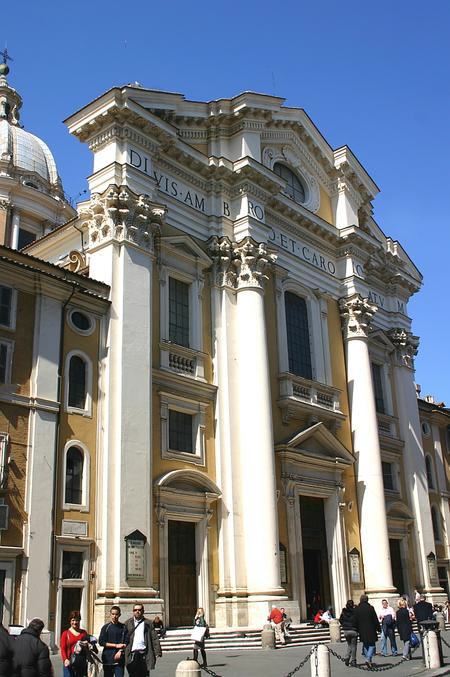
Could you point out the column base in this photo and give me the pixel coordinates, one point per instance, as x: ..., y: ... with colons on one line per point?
x: 126, y: 599
x: 435, y: 595
x: 375, y: 596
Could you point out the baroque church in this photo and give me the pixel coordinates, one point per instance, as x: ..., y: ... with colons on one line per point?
x: 207, y: 391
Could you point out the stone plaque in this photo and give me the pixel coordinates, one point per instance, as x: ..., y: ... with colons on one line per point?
x: 73, y: 528
x: 135, y: 558
x: 355, y: 571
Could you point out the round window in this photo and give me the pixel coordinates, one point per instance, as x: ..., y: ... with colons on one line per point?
x: 294, y: 187
x: 81, y: 322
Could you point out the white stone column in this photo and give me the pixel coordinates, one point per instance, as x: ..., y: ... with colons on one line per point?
x: 356, y: 314
x: 442, y: 484
x: 413, y: 455
x: 242, y: 267
x: 121, y: 253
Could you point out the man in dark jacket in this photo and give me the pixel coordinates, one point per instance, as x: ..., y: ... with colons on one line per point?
x: 143, y: 644
x: 423, y: 611
x: 368, y: 625
x: 6, y: 653
x: 31, y: 655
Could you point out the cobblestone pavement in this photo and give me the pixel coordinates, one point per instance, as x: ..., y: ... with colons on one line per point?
x: 279, y: 663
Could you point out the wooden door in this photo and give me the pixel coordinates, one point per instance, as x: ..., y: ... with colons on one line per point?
x: 182, y: 573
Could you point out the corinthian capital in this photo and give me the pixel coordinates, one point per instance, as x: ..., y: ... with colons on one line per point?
x: 121, y: 215
x: 406, y: 345
x: 241, y: 264
x: 356, y: 316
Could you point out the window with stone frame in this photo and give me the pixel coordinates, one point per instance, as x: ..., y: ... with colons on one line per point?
x: 388, y: 476
x: 179, y: 312
x: 180, y: 431
x: 436, y: 522
x: 377, y: 377
x: 77, y: 382
x: 6, y: 306
x: 429, y: 471
x: 298, y: 338
x: 6, y: 351
x: 74, y: 476
x: 294, y: 188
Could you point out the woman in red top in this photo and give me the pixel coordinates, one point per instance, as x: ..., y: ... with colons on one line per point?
x: 68, y: 645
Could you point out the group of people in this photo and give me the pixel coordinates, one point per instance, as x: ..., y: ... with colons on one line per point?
x: 133, y: 645
x: 363, y: 621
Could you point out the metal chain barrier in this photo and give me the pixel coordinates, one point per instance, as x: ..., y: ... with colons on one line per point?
x: 305, y: 660
x: 209, y: 671
x: 374, y: 668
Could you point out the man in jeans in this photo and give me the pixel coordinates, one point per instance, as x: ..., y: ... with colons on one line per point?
x: 276, y: 618
x: 387, y: 620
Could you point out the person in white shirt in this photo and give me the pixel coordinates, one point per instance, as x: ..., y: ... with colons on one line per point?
x: 327, y: 616
x: 143, y: 644
x: 387, y: 619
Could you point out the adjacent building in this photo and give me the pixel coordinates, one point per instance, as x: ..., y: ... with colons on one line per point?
x: 248, y: 431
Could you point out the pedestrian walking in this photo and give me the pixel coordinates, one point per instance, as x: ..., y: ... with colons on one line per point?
x: 404, y: 627
x: 143, y: 646
x: 347, y: 620
x: 31, y: 654
x: 200, y: 632
x: 387, y: 620
x: 114, y: 639
x: 368, y: 626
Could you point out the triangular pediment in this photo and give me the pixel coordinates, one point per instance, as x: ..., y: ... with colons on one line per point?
x: 185, y: 246
x: 319, y: 443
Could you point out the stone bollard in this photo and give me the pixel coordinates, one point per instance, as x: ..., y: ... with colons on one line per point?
x: 440, y: 617
x: 268, y: 637
x: 431, y: 650
x: 320, y: 662
x: 188, y: 668
x: 335, y: 630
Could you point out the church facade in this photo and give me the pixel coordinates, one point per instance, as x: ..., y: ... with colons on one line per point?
x: 257, y: 431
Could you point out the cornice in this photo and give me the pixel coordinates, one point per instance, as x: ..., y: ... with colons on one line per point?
x: 281, y: 206
x: 303, y: 230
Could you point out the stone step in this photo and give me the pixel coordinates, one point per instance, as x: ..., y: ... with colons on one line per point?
x: 179, y: 640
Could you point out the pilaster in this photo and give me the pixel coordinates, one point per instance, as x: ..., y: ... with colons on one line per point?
x: 123, y: 232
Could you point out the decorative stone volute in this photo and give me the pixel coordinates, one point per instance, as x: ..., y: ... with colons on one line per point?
x: 406, y: 345
x: 241, y: 264
x: 119, y: 214
x: 356, y: 316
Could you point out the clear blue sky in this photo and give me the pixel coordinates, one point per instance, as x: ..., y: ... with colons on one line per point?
x: 372, y: 75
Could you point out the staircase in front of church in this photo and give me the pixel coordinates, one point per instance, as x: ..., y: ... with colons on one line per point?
x: 180, y: 639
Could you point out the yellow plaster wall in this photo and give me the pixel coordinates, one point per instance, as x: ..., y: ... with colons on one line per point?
x: 79, y: 427
x: 325, y: 211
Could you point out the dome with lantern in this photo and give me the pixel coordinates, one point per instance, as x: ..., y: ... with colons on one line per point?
x: 23, y: 155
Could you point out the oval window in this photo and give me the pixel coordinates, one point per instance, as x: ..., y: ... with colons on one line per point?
x: 81, y: 322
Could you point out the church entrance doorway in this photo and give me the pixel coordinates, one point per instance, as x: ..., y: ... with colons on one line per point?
x: 182, y: 573
x: 315, y: 555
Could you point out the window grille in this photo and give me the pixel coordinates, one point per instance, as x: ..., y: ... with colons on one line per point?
x: 299, y: 350
x: 77, y: 382
x: 74, y: 476
x: 178, y: 312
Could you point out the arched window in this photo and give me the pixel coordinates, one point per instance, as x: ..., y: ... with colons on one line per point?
x: 74, y: 476
x: 429, y: 469
x: 294, y: 187
x: 77, y: 383
x: 435, y: 519
x: 299, y: 351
